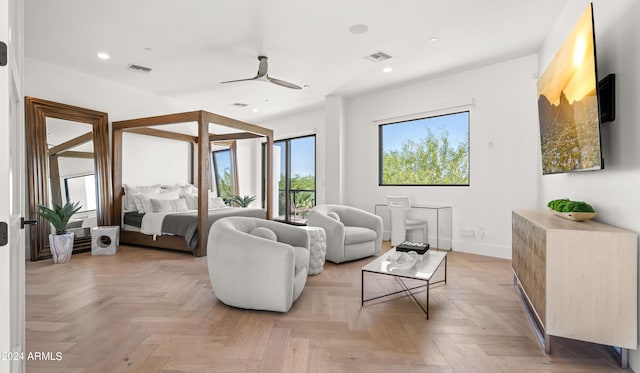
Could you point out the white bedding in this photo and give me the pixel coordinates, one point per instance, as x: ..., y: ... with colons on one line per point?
x: 152, y: 223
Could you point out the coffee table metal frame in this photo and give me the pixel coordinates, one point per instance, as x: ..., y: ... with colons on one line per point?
x: 437, y: 256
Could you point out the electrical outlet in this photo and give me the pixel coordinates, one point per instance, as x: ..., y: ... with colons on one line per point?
x: 468, y: 232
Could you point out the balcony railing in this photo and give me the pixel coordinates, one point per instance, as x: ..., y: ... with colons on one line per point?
x: 299, y: 202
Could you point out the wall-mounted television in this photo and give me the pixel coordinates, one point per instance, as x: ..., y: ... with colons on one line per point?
x: 568, y: 104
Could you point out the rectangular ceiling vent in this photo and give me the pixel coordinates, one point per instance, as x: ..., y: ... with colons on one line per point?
x: 239, y: 104
x: 378, y: 57
x: 138, y: 68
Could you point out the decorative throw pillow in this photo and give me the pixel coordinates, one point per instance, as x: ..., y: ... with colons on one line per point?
x: 216, y: 203
x: 128, y: 201
x: 264, y: 233
x: 168, y: 205
x: 333, y: 215
x: 145, y: 198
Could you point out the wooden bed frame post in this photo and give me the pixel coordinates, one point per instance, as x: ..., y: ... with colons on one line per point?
x: 204, y: 152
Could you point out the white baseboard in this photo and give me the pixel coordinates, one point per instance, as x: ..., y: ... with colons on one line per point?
x: 472, y: 247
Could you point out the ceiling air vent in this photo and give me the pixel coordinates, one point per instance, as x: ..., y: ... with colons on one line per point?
x: 239, y: 104
x: 138, y: 68
x: 378, y: 57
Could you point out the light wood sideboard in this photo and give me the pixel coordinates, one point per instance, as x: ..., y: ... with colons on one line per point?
x: 578, y: 279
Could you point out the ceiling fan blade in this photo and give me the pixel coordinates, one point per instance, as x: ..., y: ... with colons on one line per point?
x: 240, y: 80
x: 283, y: 83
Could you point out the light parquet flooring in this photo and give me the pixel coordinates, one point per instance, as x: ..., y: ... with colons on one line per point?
x: 146, y: 310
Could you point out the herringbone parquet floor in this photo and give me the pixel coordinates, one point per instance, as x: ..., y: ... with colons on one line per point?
x: 146, y: 310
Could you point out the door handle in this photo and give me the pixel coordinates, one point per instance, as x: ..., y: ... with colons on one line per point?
x: 27, y: 222
x: 4, y: 233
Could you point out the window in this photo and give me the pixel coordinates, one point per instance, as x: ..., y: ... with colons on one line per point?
x: 425, y: 151
x: 297, y: 184
x: 81, y: 189
x: 222, y: 173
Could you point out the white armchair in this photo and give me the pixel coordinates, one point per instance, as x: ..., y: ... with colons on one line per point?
x: 351, y: 233
x: 257, y: 264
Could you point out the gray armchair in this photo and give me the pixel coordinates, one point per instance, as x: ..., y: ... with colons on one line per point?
x: 257, y: 264
x: 351, y: 233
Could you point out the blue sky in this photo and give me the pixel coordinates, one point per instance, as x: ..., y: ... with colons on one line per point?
x: 302, y: 156
x: 457, y: 125
x: 224, y: 161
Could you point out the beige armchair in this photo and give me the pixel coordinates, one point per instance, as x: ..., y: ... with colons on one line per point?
x: 351, y: 233
x: 257, y: 264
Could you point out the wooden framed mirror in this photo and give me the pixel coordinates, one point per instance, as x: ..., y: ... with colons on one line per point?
x: 67, y: 152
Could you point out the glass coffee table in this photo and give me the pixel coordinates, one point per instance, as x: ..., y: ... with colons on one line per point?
x: 423, y: 270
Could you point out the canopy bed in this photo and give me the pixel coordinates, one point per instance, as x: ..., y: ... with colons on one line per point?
x: 190, y: 229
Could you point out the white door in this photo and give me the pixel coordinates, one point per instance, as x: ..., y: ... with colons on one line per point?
x: 12, y: 190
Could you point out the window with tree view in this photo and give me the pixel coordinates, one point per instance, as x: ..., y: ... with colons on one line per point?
x: 222, y: 173
x: 425, y: 151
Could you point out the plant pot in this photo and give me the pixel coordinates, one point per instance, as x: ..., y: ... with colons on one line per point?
x: 61, y: 246
x: 576, y: 216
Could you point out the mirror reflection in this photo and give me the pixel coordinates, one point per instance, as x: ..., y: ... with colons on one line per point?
x: 71, y: 170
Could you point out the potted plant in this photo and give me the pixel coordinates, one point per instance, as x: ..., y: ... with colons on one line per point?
x: 61, y: 243
x: 243, y: 201
x: 573, y: 210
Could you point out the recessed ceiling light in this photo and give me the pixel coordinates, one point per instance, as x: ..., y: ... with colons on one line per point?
x: 387, y: 69
x: 255, y: 110
x: 358, y: 29
x: 306, y: 86
x: 148, y: 49
x: 433, y: 39
x: 103, y: 56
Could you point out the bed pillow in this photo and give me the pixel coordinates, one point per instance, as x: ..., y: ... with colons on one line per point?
x: 191, y: 199
x: 168, y: 205
x: 181, y: 188
x: 129, y: 202
x: 186, y: 188
x: 145, y: 199
x: 216, y: 202
x: 264, y: 233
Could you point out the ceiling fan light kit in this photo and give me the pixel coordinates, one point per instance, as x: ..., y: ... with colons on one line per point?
x: 262, y: 75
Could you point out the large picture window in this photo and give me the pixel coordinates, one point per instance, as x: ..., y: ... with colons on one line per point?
x: 426, y: 151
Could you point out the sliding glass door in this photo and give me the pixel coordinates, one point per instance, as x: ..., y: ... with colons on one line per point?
x: 297, y: 183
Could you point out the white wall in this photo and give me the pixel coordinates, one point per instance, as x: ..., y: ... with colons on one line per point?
x: 249, y: 161
x: 503, y: 148
x: 150, y: 160
x: 301, y: 124
x: 612, y: 191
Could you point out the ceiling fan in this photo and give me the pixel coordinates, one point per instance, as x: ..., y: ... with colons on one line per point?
x: 263, y: 76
